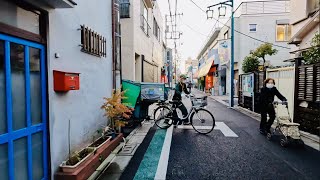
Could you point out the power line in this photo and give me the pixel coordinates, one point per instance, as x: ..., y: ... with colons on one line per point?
x: 239, y: 31
x: 194, y: 30
x: 198, y: 6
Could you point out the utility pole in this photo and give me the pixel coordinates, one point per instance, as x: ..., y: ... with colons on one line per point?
x: 231, y: 4
x: 174, y: 35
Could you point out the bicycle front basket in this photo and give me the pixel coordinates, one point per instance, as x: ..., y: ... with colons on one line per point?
x: 199, y: 101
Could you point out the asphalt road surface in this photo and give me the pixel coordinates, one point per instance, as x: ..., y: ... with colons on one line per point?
x: 184, y: 154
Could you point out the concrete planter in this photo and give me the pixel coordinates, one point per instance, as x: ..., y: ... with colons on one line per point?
x: 86, y: 168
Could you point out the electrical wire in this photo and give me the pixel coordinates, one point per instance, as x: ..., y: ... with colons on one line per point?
x: 239, y: 31
x: 195, y: 30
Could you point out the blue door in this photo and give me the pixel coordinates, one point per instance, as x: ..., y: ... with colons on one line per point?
x: 23, y: 117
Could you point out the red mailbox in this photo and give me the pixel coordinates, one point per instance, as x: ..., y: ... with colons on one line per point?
x: 65, y: 81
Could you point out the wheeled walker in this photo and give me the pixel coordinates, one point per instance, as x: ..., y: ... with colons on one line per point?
x: 286, y: 130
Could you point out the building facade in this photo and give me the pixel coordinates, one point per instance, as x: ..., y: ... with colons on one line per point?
x: 191, y: 67
x: 305, y: 24
x: 38, y: 39
x: 255, y: 20
x: 141, y: 40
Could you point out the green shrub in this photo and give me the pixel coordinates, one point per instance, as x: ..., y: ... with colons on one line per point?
x: 312, y: 55
x: 250, y: 64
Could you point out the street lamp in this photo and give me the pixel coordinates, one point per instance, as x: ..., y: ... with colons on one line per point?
x: 222, y: 10
x: 228, y: 3
x: 209, y: 13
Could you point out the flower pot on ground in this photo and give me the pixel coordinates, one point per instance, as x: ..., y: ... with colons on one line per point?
x: 74, y: 161
x: 116, y: 111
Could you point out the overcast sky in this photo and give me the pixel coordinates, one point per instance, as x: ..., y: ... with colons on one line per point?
x: 194, y: 24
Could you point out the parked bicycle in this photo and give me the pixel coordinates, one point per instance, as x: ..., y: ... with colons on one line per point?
x: 201, y: 119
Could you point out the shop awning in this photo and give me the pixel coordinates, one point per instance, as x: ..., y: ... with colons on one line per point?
x: 205, y: 69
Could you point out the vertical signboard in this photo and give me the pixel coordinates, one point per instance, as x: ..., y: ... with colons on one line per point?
x: 224, y: 51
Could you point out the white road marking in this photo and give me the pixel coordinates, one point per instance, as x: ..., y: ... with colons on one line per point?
x: 164, y: 157
x: 190, y: 127
x: 226, y: 131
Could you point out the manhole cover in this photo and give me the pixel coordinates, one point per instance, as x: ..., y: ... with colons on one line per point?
x: 128, y: 149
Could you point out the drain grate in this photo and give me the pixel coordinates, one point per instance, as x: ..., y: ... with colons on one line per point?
x: 128, y: 149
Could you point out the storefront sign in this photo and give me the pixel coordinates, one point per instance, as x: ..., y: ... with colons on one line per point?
x: 247, y: 85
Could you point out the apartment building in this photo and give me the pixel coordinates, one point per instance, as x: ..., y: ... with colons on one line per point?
x: 142, y: 47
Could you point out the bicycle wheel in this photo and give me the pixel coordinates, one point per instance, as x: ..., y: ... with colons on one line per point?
x: 202, y: 121
x: 162, y: 117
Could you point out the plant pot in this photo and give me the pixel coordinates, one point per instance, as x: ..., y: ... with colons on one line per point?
x: 99, y: 143
x: 86, y: 168
x: 65, y: 167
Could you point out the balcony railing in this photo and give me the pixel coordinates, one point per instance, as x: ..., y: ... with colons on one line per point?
x: 145, y: 26
x: 263, y: 7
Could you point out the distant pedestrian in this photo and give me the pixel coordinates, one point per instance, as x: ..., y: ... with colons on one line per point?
x: 266, y: 103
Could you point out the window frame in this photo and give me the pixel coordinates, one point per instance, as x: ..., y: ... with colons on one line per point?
x: 156, y: 29
x: 255, y: 28
x: 286, y: 36
x: 144, y: 24
x: 22, y: 33
x: 126, y: 4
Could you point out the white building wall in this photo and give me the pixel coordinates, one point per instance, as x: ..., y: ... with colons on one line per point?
x: 81, y: 107
x: 127, y: 52
x: 266, y: 31
x: 136, y: 41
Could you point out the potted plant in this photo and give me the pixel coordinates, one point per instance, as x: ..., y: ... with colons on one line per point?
x: 116, y: 112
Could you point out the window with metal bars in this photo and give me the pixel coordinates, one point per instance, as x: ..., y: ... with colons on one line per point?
x: 92, y: 42
x: 124, y: 9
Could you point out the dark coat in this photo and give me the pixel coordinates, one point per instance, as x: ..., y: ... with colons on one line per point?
x: 267, y: 96
x: 178, y: 90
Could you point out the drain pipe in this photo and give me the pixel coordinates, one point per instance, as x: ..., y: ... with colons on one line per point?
x: 116, y: 42
x: 113, y: 6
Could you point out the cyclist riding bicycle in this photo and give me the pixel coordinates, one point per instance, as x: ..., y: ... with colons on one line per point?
x: 181, y: 87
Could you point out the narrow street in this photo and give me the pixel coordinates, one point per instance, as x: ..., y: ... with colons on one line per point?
x: 248, y: 155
